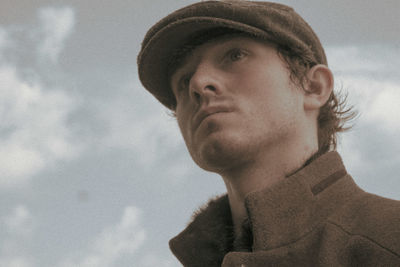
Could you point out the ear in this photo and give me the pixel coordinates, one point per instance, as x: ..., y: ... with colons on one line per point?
x: 318, y: 87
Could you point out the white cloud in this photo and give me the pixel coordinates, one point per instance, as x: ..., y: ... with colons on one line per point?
x: 372, y: 60
x: 369, y: 74
x: 377, y: 100
x: 19, y: 222
x: 15, y: 262
x: 33, y: 127
x: 353, y: 59
x: 56, y: 25
x: 151, y: 260
x: 385, y: 107
x: 124, y: 238
x: 18, y: 228
x: 4, y: 40
x: 135, y: 121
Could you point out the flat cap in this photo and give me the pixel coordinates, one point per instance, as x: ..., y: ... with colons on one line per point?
x: 266, y: 20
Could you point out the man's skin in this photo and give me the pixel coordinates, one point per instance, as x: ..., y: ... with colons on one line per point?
x: 243, y: 117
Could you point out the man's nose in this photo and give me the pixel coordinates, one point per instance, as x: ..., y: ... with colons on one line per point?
x: 204, y: 83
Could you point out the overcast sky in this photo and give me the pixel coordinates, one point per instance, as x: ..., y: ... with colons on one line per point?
x: 93, y: 171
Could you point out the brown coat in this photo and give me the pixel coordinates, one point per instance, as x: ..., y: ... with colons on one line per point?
x: 316, y: 217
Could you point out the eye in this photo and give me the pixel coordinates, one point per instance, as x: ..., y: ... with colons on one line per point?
x: 182, y: 84
x: 236, y: 54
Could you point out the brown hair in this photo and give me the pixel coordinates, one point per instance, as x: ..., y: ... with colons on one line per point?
x: 333, y: 115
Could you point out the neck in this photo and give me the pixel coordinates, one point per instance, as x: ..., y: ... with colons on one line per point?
x: 262, y: 172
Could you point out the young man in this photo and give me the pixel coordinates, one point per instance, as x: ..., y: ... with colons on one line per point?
x: 253, y: 96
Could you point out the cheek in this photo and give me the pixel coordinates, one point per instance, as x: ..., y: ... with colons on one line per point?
x: 269, y: 97
x: 183, y: 120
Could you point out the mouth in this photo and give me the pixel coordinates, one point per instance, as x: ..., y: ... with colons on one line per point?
x: 203, y: 113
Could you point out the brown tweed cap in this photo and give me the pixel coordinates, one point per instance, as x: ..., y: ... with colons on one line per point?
x: 270, y: 21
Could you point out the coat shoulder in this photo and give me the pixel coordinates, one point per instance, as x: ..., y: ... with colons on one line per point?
x: 373, y: 218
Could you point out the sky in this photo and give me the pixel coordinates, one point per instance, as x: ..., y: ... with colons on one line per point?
x: 93, y: 170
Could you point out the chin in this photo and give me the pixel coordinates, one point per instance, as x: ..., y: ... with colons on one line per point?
x: 219, y: 153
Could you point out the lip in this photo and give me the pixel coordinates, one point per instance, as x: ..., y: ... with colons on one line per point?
x: 204, y: 112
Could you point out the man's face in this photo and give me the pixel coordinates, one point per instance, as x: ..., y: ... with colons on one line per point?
x: 235, y: 101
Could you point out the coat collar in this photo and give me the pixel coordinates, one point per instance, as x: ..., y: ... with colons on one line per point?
x: 286, y: 211
x: 278, y: 215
